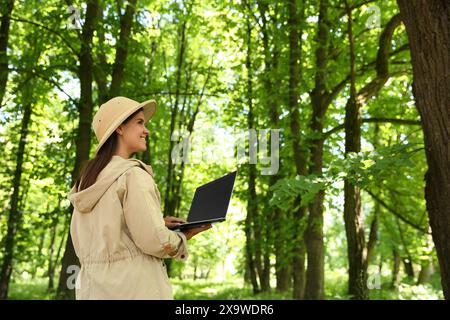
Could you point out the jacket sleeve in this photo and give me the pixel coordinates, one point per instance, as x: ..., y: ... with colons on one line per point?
x: 144, y: 219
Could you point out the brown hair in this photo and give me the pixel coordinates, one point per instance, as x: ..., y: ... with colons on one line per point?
x: 93, y: 167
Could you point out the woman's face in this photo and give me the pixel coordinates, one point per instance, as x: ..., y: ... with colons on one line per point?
x: 133, y: 133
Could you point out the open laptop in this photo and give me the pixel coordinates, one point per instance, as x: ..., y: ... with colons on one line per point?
x: 210, y: 203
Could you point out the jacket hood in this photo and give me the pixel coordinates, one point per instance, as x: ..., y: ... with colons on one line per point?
x: 85, y: 200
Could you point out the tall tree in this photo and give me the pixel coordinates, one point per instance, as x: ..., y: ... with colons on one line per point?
x: 354, y: 225
x: 271, y: 51
x: 6, y: 9
x: 320, y: 100
x: 295, y: 17
x: 121, y: 53
x: 353, y: 216
x: 183, y: 110
x: 427, y: 24
x: 87, y: 73
x: 15, y: 213
x: 252, y: 230
x: 126, y: 21
x: 169, y: 197
x: 262, y: 235
x: 83, y: 139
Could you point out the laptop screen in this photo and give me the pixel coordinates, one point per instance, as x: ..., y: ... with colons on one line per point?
x: 211, y: 200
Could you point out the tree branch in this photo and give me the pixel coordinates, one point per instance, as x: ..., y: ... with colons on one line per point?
x: 40, y: 73
x: 100, y: 65
x: 57, y: 86
x: 253, y: 14
x: 373, y: 120
x: 126, y: 21
x: 382, y: 61
x: 66, y: 42
x: 341, y: 85
x: 152, y: 93
x: 394, y: 212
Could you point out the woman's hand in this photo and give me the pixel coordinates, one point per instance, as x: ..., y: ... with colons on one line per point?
x: 173, y: 221
x: 189, y: 233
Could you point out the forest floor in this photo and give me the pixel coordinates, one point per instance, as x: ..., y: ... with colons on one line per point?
x: 233, y: 289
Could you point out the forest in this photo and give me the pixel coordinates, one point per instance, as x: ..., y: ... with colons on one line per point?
x: 335, y: 113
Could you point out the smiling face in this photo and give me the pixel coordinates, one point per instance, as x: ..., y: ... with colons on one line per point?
x: 131, y: 135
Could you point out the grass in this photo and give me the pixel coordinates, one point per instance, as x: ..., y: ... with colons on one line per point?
x: 31, y: 290
x: 234, y: 289
x: 228, y: 290
x: 407, y: 289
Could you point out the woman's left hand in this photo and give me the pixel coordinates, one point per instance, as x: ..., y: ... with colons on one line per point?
x: 173, y: 221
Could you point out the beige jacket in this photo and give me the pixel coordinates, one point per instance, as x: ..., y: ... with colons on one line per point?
x: 120, y: 237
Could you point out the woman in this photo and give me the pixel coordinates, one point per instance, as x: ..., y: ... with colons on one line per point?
x: 117, y: 228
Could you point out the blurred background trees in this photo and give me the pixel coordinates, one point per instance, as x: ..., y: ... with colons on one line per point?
x: 343, y: 215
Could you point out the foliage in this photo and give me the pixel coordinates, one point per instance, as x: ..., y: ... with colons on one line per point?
x: 234, y: 68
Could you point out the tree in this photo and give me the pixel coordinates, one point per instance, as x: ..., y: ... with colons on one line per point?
x: 353, y: 216
x: 252, y: 230
x: 83, y: 143
x: 95, y: 71
x: 299, y: 276
x: 6, y: 10
x: 15, y: 212
x: 427, y: 24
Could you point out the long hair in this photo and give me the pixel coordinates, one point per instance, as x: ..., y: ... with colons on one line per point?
x: 92, y: 168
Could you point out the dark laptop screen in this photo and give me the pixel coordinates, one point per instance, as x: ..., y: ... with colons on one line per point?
x: 211, y: 200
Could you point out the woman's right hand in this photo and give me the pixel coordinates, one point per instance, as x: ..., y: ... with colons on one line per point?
x: 189, y: 233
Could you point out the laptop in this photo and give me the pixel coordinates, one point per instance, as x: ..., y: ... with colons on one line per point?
x: 210, y: 203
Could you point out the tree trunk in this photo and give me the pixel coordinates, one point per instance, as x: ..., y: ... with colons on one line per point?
x: 282, y: 270
x: 169, y: 200
x: 250, y: 263
x: 278, y: 218
x: 6, y: 10
x: 15, y: 214
x: 373, y: 237
x: 299, y: 276
x: 51, y: 266
x: 83, y: 140
x: 121, y: 48
x: 189, y: 126
x: 266, y: 266
x: 283, y: 261
x: 126, y: 21
x: 252, y: 205
x: 354, y: 225
x: 426, y: 270
x: 407, y: 261
x: 427, y: 24
x: 426, y: 267
x: 314, y: 229
x: 258, y: 230
x: 263, y: 242
x: 298, y: 273
x: 373, y: 233
x: 395, y: 269
x: 147, y: 155
x: 408, y: 266
x: 353, y: 216
x: 184, y: 121
x: 39, y: 253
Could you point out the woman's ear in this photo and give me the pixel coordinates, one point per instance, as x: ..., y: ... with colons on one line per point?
x: 119, y: 130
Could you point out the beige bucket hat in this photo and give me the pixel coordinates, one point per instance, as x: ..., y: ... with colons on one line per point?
x: 112, y: 113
